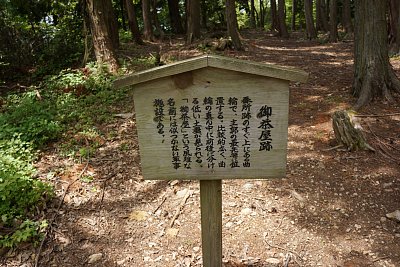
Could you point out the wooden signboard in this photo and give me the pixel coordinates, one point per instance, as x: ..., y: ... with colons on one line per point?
x: 212, y: 118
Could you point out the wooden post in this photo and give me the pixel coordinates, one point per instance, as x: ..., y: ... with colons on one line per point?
x: 211, y: 222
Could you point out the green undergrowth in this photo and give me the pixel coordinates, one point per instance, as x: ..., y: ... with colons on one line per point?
x: 72, y: 102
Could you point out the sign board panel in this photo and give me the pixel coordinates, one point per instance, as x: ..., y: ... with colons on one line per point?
x: 222, y: 125
x: 211, y: 119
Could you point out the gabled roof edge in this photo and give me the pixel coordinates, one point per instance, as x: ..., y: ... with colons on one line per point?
x: 266, y: 70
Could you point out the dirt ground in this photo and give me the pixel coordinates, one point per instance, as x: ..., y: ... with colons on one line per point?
x: 330, y: 210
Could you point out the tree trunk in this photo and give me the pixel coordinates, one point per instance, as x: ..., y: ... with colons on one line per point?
x: 308, y: 7
x: 193, y: 20
x: 231, y: 20
x: 294, y: 7
x: 252, y: 15
x: 283, y: 32
x: 346, y: 17
x: 373, y: 75
x: 154, y: 18
x: 274, y: 16
x: 112, y: 23
x: 333, y: 32
x: 102, y: 42
x: 122, y: 6
x: 348, y: 131
x: 133, y: 23
x: 203, y: 11
x: 175, y: 16
x: 394, y: 24
x: 262, y: 13
x: 322, y: 20
x: 148, y: 28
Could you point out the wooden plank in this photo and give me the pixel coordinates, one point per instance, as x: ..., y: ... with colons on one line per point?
x: 160, y: 72
x: 155, y: 149
x: 211, y: 222
x: 267, y: 70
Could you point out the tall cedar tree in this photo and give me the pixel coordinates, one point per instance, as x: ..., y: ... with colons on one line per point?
x: 252, y: 14
x: 333, y: 32
x: 283, y: 32
x: 274, y: 17
x: 321, y: 16
x: 346, y: 16
x: 373, y: 75
x: 193, y: 20
x: 102, y: 41
x: 133, y: 23
x: 231, y: 21
x: 308, y: 7
x: 112, y: 23
x: 175, y: 16
x: 394, y: 24
x: 293, y: 22
x: 147, y: 26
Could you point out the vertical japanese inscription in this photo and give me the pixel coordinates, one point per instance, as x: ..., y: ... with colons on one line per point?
x: 219, y: 131
x: 233, y: 131
x: 197, y: 130
x: 185, y: 130
x: 158, y: 105
x: 246, y: 116
x: 208, y: 102
x: 265, y: 138
x: 173, y: 130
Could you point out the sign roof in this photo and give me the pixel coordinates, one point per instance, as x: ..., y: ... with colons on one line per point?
x: 261, y: 69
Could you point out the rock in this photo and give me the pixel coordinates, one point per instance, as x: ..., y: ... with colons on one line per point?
x: 246, y: 211
x: 172, y: 232
x: 395, y: 215
x: 124, y: 115
x: 248, y: 187
x: 229, y: 224
x: 272, y: 262
x: 95, y: 258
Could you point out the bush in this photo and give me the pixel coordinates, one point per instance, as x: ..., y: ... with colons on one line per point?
x: 73, y: 100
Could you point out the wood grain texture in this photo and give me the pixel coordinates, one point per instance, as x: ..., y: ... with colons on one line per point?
x: 266, y: 70
x: 211, y: 222
x: 155, y: 150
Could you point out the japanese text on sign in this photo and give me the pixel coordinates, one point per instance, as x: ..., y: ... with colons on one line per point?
x: 212, y: 132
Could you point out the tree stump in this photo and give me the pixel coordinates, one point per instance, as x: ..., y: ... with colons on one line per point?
x: 348, y: 131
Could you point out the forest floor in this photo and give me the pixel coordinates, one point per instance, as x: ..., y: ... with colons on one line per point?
x: 330, y: 210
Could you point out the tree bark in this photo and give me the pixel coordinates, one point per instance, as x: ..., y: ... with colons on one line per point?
x: 112, y: 23
x: 175, y: 16
x: 311, y: 32
x: 262, y: 13
x: 294, y: 7
x: 394, y: 27
x: 348, y: 131
x: 102, y: 42
x: 333, y: 32
x: 252, y: 15
x: 148, y: 27
x: 373, y: 75
x: 274, y: 17
x: 283, y: 32
x: 154, y: 18
x: 346, y: 17
x: 231, y: 20
x: 193, y: 20
x: 321, y: 18
x: 133, y: 23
